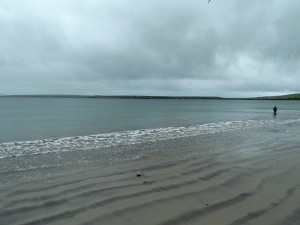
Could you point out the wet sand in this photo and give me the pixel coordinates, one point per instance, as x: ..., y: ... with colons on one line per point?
x: 255, y: 182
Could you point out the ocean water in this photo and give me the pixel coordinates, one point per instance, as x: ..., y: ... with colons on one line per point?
x: 61, y: 124
x: 67, y: 134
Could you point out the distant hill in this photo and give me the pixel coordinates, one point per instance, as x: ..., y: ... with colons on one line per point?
x: 281, y: 97
x: 114, y: 96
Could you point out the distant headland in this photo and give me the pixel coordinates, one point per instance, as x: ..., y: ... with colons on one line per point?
x: 280, y: 97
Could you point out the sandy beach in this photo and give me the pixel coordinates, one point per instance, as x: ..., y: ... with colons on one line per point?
x: 126, y: 112
x: 254, y: 180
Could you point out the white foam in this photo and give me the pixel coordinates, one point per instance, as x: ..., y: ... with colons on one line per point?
x: 132, y: 137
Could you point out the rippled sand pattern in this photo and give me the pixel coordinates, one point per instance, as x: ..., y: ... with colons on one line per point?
x: 256, y: 185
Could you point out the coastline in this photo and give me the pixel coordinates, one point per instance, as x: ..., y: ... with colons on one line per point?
x: 253, y: 180
x: 290, y: 97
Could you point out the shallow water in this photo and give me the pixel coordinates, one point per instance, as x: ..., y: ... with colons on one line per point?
x: 43, y: 133
x: 24, y: 119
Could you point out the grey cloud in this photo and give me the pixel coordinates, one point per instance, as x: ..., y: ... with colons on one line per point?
x: 150, y: 47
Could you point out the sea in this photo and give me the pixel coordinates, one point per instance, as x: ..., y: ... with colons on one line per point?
x: 64, y: 134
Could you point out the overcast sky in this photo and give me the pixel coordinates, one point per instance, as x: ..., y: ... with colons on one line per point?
x: 232, y: 48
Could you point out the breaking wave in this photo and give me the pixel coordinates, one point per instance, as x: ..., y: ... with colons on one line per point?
x: 54, y: 145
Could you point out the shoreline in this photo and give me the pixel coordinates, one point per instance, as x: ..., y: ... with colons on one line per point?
x: 253, y: 181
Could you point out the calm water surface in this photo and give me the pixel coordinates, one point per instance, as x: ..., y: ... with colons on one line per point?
x: 25, y: 119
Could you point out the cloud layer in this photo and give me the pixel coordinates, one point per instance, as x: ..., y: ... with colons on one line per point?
x: 224, y: 48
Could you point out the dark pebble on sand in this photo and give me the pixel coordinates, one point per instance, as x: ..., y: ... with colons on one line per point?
x: 139, y: 175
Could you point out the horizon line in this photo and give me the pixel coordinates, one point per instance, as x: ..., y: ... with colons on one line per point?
x: 280, y: 97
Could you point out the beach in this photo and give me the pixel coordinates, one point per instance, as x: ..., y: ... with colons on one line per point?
x: 235, y: 177
x: 149, y: 112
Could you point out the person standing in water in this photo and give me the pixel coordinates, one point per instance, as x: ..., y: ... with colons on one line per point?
x: 275, y: 110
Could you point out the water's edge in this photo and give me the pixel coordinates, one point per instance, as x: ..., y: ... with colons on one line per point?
x: 132, y: 137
